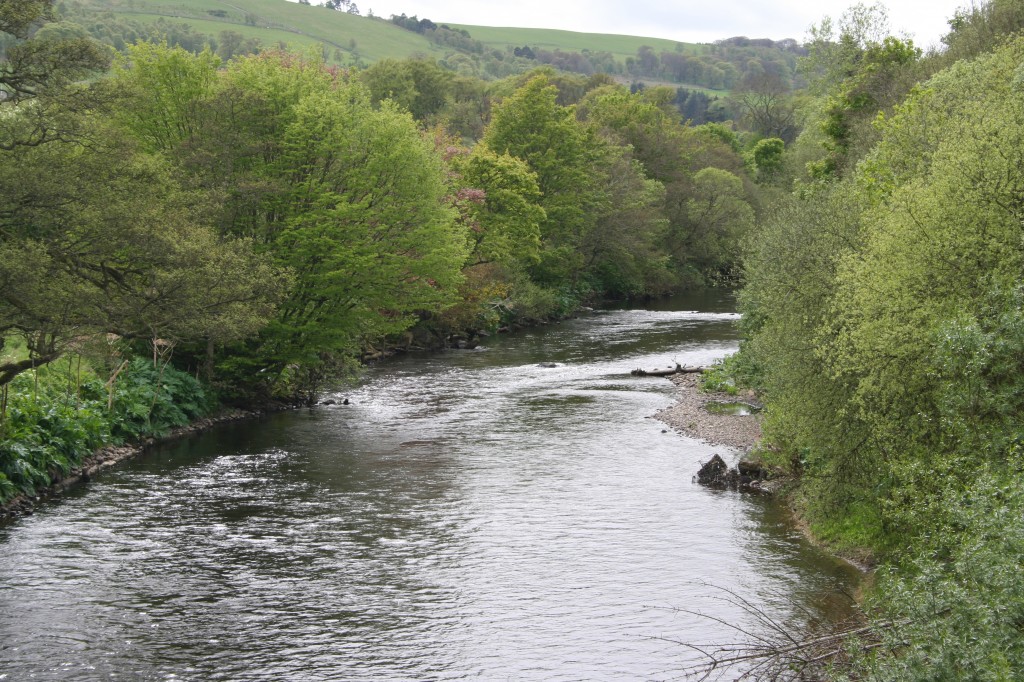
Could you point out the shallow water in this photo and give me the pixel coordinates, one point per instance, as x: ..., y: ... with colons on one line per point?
x: 470, y: 515
x: 733, y: 409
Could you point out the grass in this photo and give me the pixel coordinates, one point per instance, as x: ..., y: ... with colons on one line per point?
x: 570, y: 41
x: 302, y: 27
x: 274, y: 21
x: 14, y: 350
x: 652, y: 82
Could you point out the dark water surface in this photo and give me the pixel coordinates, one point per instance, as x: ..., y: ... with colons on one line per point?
x: 471, y: 515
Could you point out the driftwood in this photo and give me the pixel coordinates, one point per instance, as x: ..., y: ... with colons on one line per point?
x: 667, y: 371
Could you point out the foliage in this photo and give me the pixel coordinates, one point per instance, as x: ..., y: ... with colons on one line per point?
x: 532, y: 126
x: 40, y: 97
x: 675, y: 156
x: 348, y: 198
x: 52, y: 424
x: 859, y: 69
x: 959, y: 604
x: 884, y: 315
x: 97, y: 236
x: 768, y: 158
x: 151, y: 399
x: 719, y: 379
x: 499, y: 200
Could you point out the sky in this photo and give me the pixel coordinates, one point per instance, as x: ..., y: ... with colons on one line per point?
x: 692, y: 21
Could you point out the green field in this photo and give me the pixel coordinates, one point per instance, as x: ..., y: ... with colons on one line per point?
x: 273, y: 21
x: 571, y: 41
x: 351, y: 39
x: 303, y: 26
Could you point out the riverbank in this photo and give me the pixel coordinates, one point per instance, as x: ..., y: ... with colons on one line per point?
x: 107, y: 456
x: 691, y: 417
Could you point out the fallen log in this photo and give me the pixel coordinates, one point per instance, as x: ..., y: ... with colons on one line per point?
x: 667, y: 371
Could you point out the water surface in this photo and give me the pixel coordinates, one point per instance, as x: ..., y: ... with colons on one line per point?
x: 470, y: 515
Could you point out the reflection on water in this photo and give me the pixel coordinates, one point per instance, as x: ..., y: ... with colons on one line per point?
x: 470, y: 515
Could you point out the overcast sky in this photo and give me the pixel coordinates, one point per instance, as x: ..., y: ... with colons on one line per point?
x: 700, y: 21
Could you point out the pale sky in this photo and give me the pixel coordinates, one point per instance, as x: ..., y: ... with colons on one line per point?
x: 683, y: 20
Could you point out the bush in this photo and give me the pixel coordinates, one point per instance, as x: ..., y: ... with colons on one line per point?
x: 151, y: 400
x: 46, y: 431
x: 51, y: 426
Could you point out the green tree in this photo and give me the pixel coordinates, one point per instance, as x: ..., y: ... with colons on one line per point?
x: 41, y: 99
x: 351, y: 199
x: 861, y: 71
x: 719, y: 217
x: 532, y: 126
x: 101, y: 239
x: 167, y: 87
x: 499, y: 198
x: 768, y: 157
x: 624, y: 253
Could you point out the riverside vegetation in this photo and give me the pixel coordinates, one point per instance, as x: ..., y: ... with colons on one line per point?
x: 177, y: 232
x: 884, y: 330
x: 262, y: 224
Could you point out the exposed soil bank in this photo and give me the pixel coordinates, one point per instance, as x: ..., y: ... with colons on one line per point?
x: 108, y: 456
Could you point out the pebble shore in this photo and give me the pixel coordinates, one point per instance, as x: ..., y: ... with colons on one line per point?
x: 690, y: 417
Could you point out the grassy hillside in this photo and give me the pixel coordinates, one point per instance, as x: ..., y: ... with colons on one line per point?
x: 354, y: 40
x: 550, y: 39
x: 274, y: 21
x: 301, y: 26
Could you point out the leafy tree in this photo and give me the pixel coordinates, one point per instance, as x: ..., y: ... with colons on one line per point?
x: 719, y: 216
x: 499, y: 199
x: 167, y: 86
x: 766, y: 105
x: 348, y: 197
x: 532, y: 126
x: 101, y: 239
x: 768, y: 156
x: 366, y: 230
x: 421, y: 87
x: 861, y: 72
x: 623, y: 252
x: 41, y: 99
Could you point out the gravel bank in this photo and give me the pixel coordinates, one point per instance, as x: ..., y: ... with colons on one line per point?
x: 690, y: 417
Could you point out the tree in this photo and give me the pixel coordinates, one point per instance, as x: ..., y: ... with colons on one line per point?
x: 719, y: 217
x: 623, y: 253
x: 531, y: 126
x: 767, y: 155
x: 861, y: 71
x: 101, y: 240
x: 417, y: 85
x: 351, y: 199
x: 500, y: 201
x: 41, y: 99
x: 167, y: 86
x: 765, y: 103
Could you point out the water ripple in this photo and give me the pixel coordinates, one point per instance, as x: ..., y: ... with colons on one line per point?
x: 467, y: 516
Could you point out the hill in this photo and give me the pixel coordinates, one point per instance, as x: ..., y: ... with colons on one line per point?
x: 620, y: 46
x: 479, y: 51
x: 273, y: 22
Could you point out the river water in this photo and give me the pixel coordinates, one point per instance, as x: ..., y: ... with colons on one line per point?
x: 469, y: 515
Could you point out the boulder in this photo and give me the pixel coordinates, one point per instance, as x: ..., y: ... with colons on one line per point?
x: 714, y: 473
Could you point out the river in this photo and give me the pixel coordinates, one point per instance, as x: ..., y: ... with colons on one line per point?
x: 469, y: 515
